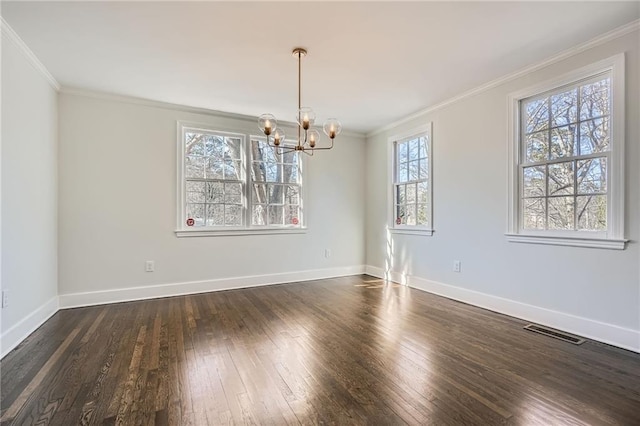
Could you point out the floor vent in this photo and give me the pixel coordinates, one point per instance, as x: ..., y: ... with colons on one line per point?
x: 555, y: 334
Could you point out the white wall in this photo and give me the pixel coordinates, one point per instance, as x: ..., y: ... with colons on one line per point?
x: 599, y: 287
x: 29, y: 195
x: 118, y: 207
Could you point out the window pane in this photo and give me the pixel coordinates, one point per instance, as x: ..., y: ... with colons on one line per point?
x: 194, y: 167
x: 536, y: 115
x: 561, y: 178
x: 195, y: 192
x: 214, y: 146
x: 534, y: 213
x: 414, y: 170
x: 423, y: 194
x: 194, y: 145
x: 233, y: 148
x: 215, y: 192
x: 215, y: 214
x: 401, y: 194
x: 403, y: 172
x: 592, y: 213
x: 411, y: 193
x: 564, y: 108
x: 273, y: 172
x: 534, y: 181
x: 215, y: 168
x: 536, y: 147
x: 196, y: 212
x: 422, y: 215
x: 423, y: 147
x: 592, y: 176
x: 292, y: 215
x: 232, y: 169
x: 292, y: 194
x: 232, y: 215
x: 259, y: 215
x: 561, y: 212
x: 411, y: 214
x: 259, y: 195
x: 594, y: 136
x: 562, y: 142
x: 403, y: 156
x: 290, y: 157
x: 595, y: 99
x: 276, y: 215
x: 258, y: 171
x: 414, y: 149
x: 290, y: 173
x: 233, y: 193
x: 276, y: 194
x: 424, y: 169
x: 401, y: 214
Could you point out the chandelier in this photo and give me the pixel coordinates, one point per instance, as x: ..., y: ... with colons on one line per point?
x: 308, y: 137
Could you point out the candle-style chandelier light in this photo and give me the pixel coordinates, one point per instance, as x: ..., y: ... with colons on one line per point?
x: 308, y: 137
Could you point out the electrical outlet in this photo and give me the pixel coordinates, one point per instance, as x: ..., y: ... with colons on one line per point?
x: 149, y: 266
x: 456, y: 265
x: 5, y: 298
x: 327, y: 253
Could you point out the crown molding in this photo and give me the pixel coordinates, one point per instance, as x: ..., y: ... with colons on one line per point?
x: 76, y: 91
x: 601, y: 39
x: 28, y: 53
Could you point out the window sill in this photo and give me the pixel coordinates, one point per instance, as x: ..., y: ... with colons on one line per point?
x: 611, y: 244
x: 180, y: 233
x: 409, y: 231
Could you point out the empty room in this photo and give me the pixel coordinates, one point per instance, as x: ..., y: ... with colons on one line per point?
x: 298, y: 212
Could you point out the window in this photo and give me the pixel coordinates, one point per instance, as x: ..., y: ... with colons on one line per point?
x: 232, y: 183
x: 411, y: 182
x: 569, y: 161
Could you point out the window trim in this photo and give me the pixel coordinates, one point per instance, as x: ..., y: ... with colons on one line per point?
x: 184, y: 231
x: 613, y: 238
x: 426, y: 129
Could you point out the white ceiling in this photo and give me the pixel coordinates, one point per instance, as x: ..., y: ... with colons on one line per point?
x: 369, y: 63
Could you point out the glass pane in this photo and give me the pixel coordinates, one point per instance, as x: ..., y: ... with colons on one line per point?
x: 259, y: 215
x: 401, y: 194
x: 215, y: 214
x: 194, y: 145
x: 424, y: 169
x: 561, y: 178
x: 403, y: 172
x: 259, y: 194
x: 290, y: 173
x: 196, y: 212
x: 414, y: 170
x: 292, y: 194
x: 595, y: 99
x: 214, y: 146
x: 276, y: 215
x: 422, y: 215
x: 401, y: 215
x: 195, y: 192
x: 194, y: 167
x: 594, y: 136
x: 232, y: 215
x: 273, y: 172
x: 260, y: 151
x: 232, y: 169
x: 215, y: 168
x: 233, y: 193
x: 592, y: 176
x: 423, y: 194
x: 233, y: 150
x: 564, y: 108
x: 562, y: 142
x: 423, y: 147
x: 276, y: 194
x: 292, y: 215
x: 414, y: 149
x: 592, y: 213
x: 561, y: 212
x: 536, y: 115
x: 258, y: 171
x: 536, y: 147
x: 403, y: 152
x: 533, y: 213
x: 215, y: 192
x: 534, y: 181
x: 411, y: 214
x: 290, y: 157
x: 411, y: 193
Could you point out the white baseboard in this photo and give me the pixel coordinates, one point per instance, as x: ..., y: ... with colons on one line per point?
x: 611, y: 334
x: 74, y: 300
x: 20, y: 331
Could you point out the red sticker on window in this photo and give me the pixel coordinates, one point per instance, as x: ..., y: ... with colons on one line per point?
x: 398, y: 221
x: 294, y: 221
x: 191, y: 222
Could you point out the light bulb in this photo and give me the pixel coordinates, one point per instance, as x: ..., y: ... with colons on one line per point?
x: 332, y: 128
x: 267, y: 123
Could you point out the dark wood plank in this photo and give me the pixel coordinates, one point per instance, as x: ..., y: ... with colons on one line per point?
x: 351, y: 350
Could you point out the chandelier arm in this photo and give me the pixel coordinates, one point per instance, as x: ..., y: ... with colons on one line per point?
x: 324, y: 148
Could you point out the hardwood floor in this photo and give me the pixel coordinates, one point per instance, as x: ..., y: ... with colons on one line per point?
x: 342, y: 351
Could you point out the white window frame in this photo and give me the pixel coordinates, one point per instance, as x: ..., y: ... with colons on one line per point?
x: 182, y: 230
x: 425, y: 130
x: 613, y: 237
